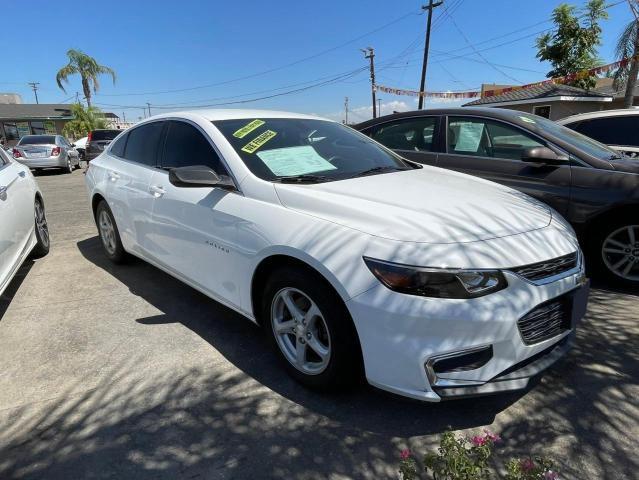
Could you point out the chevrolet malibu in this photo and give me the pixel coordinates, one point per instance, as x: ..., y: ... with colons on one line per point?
x: 430, y: 283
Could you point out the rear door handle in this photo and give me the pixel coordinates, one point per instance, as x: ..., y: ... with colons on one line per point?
x: 157, y: 190
x: 113, y: 176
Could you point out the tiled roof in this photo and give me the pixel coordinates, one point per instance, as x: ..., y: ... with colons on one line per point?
x: 15, y: 111
x: 538, y: 92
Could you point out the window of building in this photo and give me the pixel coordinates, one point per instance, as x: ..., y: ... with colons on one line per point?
x: 542, y: 111
x: 37, y: 128
x: 11, y: 131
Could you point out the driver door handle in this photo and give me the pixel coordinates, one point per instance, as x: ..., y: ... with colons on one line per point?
x: 157, y: 190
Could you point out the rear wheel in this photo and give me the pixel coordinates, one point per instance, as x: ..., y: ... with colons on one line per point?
x: 311, y: 329
x: 109, y: 234
x: 69, y: 167
x: 615, y: 252
x: 43, y: 239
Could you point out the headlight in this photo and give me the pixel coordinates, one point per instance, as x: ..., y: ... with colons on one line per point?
x: 436, y: 282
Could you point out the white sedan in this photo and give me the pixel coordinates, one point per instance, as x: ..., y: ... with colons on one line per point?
x: 431, y: 283
x: 23, y: 225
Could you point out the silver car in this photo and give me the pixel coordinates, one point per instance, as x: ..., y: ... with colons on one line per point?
x: 46, y: 151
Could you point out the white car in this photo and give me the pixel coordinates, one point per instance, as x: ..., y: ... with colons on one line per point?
x: 23, y: 224
x: 431, y: 283
x: 619, y: 128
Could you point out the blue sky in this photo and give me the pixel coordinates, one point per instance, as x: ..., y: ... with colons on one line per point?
x: 160, y: 46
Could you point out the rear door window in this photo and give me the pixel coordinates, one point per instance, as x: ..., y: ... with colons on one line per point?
x: 415, y: 134
x: 142, y: 144
x: 117, y: 148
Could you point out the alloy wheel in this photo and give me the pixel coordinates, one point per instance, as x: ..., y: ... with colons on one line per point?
x: 41, y: 224
x: 300, y: 331
x: 620, y: 252
x: 107, y: 232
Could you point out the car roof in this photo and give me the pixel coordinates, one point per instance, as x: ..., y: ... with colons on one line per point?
x: 600, y: 114
x: 236, y: 114
x: 498, y: 113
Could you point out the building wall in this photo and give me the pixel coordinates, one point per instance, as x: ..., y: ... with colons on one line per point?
x: 562, y: 109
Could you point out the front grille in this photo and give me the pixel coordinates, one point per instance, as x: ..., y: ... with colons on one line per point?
x: 549, y: 268
x: 546, y: 321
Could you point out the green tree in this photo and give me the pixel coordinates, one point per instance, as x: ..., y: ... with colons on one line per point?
x: 84, y: 120
x: 572, y: 46
x: 628, y: 47
x: 89, y: 70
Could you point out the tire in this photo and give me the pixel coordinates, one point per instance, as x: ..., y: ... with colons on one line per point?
x: 43, y: 240
x: 109, y: 234
x: 69, y: 167
x: 614, y: 252
x: 330, y: 331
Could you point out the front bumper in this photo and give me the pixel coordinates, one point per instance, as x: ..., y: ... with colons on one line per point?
x: 44, y: 162
x: 401, y: 334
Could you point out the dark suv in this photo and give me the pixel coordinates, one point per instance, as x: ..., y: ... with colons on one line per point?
x: 97, y: 140
x: 594, y: 187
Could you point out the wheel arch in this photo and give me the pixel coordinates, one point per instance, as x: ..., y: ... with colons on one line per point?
x: 95, y: 201
x: 611, y: 215
x: 274, y: 260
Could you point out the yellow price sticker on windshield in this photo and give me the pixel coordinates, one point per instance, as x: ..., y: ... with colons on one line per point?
x: 248, y: 128
x: 258, y: 141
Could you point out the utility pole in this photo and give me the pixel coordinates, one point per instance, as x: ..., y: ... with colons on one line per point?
x: 149, y: 107
x: 123, y: 117
x: 422, y: 85
x: 379, y: 107
x: 369, y: 53
x: 34, y: 87
x: 77, y: 97
x: 346, y: 110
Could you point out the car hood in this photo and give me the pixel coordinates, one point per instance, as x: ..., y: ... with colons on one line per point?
x: 627, y: 165
x: 430, y: 205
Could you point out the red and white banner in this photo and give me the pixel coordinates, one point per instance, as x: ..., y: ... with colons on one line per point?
x: 498, y: 91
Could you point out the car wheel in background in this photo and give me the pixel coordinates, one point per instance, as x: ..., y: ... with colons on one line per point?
x: 69, y: 167
x: 109, y: 234
x: 615, y: 252
x: 43, y: 240
x: 311, y: 329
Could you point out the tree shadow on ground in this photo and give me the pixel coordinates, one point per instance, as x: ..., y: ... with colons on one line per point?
x: 255, y: 422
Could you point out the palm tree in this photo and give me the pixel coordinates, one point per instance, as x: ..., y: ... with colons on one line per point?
x: 84, y: 121
x: 628, y: 47
x: 89, y: 70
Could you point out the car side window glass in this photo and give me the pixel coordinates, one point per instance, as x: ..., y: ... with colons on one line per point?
x: 186, y: 146
x: 415, y: 134
x: 3, y: 159
x: 142, y: 145
x: 117, y: 148
x: 611, y: 130
x: 487, y: 138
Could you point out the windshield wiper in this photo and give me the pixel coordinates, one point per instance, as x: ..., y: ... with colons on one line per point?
x: 374, y: 170
x: 305, y: 178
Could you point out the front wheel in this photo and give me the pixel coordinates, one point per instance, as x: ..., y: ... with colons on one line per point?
x: 43, y: 240
x: 311, y: 329
x: 616, y: 252
x: 109, y: 234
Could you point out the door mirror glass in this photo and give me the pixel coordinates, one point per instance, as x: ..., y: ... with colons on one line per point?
x: 542, y: 155
x: 198, y: 176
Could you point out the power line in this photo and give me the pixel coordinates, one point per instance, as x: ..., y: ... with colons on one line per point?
x: 271, y: 70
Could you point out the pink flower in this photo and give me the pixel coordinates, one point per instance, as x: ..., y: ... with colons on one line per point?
x: 493, y: 437
x: 550, y: 475
x: 527, y: 464
x: 478, y: 440
x: 405, y: 454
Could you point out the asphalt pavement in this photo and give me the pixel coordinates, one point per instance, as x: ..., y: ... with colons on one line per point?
x: 124, y: 372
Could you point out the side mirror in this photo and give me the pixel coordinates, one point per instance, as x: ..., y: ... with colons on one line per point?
x: 542, y: 155
x: 198, y: 176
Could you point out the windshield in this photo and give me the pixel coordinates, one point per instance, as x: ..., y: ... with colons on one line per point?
x: 282, y: 149
x: 587, y: 144
x: 37, y: 140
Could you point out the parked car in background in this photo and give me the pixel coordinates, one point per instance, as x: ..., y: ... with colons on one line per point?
x: 96, y: 142
x: 46, y: 151
x: 618, y: 129
x: 594, y: 187
x: 23, y: 224
x: 434, y: 283
x: 80, y: 146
